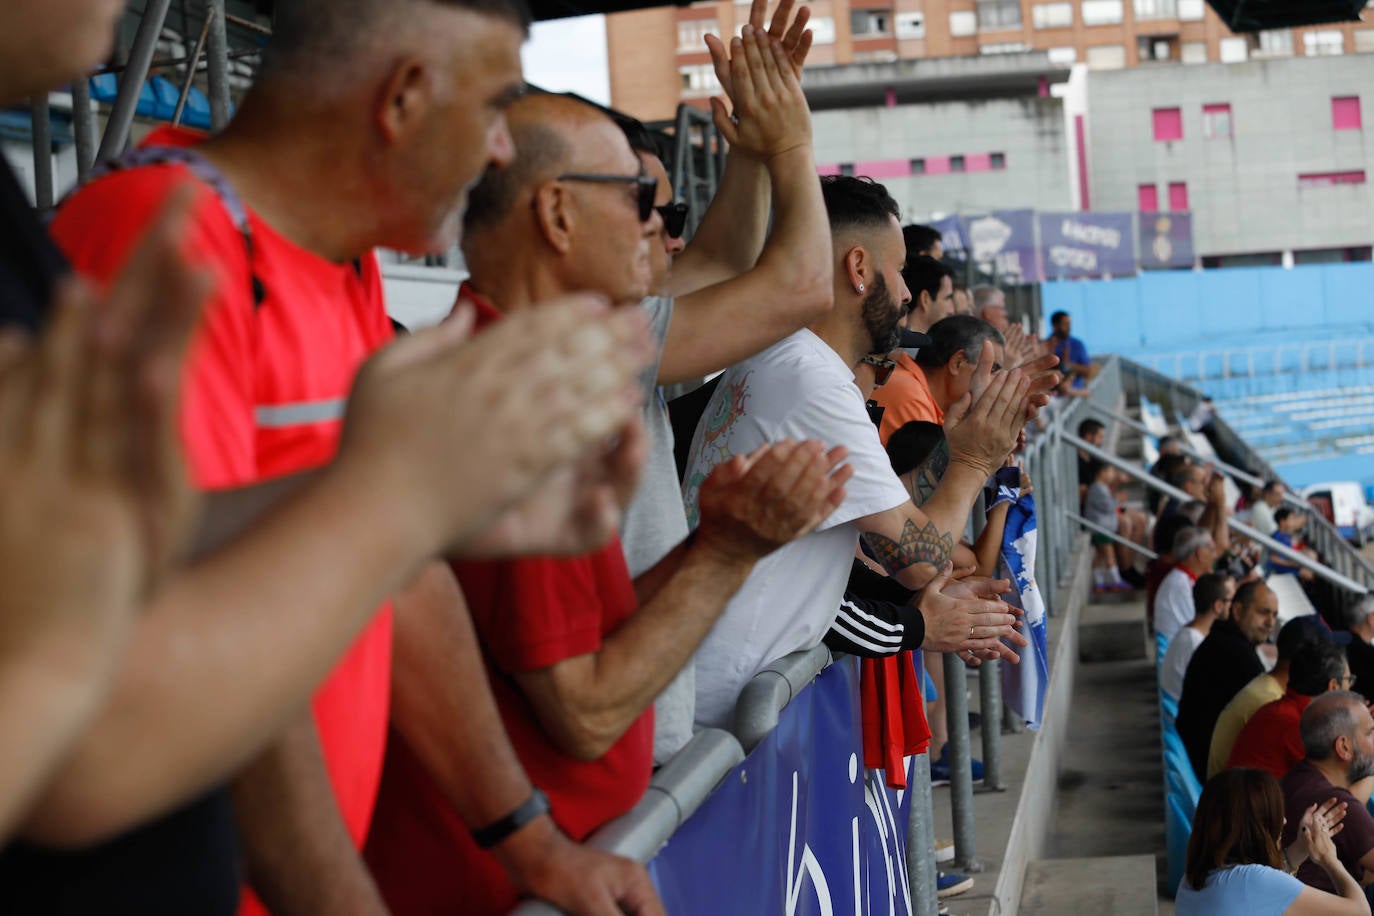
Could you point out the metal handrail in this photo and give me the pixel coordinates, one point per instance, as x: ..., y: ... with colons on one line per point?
x: 767, y: 694
x: 1274, y: 546
x: 1108, y: 533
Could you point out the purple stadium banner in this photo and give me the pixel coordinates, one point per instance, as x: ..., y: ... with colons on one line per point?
x: 1002, y: 243
x: 1087, y: 244
x: 1166, y: 240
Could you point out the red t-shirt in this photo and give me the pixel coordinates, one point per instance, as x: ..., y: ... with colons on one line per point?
x: 1271, y: 740
x: 263, y: 397
x: 529, y: 614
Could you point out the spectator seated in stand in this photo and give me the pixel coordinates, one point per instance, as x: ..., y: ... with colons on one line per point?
x: 1165, y: 530
x: 1237, y: 865
x: 1338, y: 743
x: 1271, y: 740
x: 1194, y: 554
x: 1360, y: 651
x: 1263, y: 689
x: 1288, y: 532
x: 1075, y: 365
x: 1224, y: 663
x: 1212, y: 594
x: 1263, y: 509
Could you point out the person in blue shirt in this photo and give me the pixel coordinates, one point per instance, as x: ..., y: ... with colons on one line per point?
x: 1074, y: 363
x: 1236, y: 866
x: 1289, y: 524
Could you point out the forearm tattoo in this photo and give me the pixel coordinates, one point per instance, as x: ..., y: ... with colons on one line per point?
x: 918, y: 544
x: 927, y: 476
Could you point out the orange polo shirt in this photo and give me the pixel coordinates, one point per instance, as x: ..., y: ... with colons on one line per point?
x: 906, y: 398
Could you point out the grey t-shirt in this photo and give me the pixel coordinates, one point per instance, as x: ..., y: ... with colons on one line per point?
x: 654, y: 524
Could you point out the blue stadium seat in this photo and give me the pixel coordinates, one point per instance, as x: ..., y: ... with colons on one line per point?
x: 1178, y: 827
x: 1174, y: 787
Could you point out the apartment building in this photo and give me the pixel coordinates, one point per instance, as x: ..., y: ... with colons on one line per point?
x: 658, y: 59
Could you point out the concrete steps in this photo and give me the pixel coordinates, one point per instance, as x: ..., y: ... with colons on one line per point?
x: 1116, y: 885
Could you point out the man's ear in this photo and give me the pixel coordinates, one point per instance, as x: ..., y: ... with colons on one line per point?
x: 554, y: 215
x: 858, y: 268
x: 1345, y: 748
x: 405, y: 99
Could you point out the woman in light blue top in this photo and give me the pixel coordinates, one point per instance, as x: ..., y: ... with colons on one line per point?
x: 1235, y: 865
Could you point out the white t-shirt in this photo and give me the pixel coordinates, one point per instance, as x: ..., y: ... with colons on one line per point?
x: 798, y: 389
x: 1181, y: 649
x: 1174, y: 608
x: 1262, y: 518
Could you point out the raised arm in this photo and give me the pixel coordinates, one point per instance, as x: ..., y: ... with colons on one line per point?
x: 790, y: 285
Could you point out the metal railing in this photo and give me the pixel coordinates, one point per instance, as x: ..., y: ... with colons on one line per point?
x: 1268, y: 359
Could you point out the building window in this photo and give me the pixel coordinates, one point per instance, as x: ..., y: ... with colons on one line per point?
x: 691, y: 33
x: 875, y: 57
x: 1156, y: 48
x: 1156, y: 9
x: 1345, y: 113
x: 1216, y: 121
x: 1178, y: 196
x: 1323, y: 43
x: 1272, y: 43
x: 999, y: 14
x: 1004, y: 47
x: 918, y: 166
x: 1364, y: 41
x: 963, y: 22
x: 1052, y: 15
x: 1168, y: 124
x: 1329, y: 179
x: 822, y: 30
x: 1193, y: 52
x: 997, y: 161
x: 699, y: 79
x: 1106, y: 57
x: 1101, y: 12
x: 911, y: 25
x: 1147, y: 198
x: 1063, y: 56
x: 956, y: 163
x: 1234, y: 50
x: 1189, y: 10
x: 870, y: 22
x: 847, y: 168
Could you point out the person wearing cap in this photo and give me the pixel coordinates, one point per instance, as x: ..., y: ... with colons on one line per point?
x: 926, y: 387
x: 1264, y: 688
x: 1271, y: 740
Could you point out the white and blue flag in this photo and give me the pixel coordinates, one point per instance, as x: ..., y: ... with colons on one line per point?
x: 1024, y: 685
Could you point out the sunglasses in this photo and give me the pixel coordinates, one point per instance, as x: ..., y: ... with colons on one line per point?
x: 647, y: 188
x: 674, y: 219
x: 882, y: 368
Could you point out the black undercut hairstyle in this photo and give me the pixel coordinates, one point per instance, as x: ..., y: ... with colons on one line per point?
x: 852, y: 202
x: 1089, y: 427
x: 920, y: 238
x: 923, y: 273
x: 909, y: 447
x: 642, y: 140
x: 306, y: 33
x: 1315, y: 665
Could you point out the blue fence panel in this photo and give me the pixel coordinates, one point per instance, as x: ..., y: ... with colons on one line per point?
x: 798, y: 828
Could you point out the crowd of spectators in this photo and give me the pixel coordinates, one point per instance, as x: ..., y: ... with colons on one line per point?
x: 303, y: 617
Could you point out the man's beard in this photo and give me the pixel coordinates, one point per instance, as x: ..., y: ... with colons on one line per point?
x: 882, y: 318
x: 1361, y: 767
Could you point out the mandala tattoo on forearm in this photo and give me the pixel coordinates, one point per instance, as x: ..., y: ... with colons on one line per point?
x: 918, y: 544
x: 929, y: 473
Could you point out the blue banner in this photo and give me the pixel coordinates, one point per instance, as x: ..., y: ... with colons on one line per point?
x: 799, y: 828
x: 1024, y: 685
x: 1087, y: 244
x: 1003, y: 244
x: 1166, y: 240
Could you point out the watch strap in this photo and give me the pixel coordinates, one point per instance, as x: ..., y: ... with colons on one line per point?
x: 492, y: 834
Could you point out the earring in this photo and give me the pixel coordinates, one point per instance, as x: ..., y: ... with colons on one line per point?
x: 861, y: 287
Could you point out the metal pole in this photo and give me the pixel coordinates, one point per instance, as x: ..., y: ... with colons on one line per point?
x: 1108, y: 533
x: 990, y: 694
x: 218, y: 65
x: 83, y: 125
x: 190, y: 74
x: 131, y: 83
x: 960, y: 764
x: 42, y: 152
x: 920, y: 841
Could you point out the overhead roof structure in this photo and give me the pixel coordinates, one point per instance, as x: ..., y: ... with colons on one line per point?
x: 1260, y: 15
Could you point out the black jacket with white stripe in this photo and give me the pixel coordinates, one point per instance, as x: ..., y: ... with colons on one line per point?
x: 875, y: 618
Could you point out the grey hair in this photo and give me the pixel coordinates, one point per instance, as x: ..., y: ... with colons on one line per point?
x: 1358, y: 612
x: 984, y: 294
x: 1188, y: 541
x: 956, y: 334
x: 1327, y: 718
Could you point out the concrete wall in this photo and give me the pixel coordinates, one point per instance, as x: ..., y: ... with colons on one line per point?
x: 1199, y: 309
x: 1028, y: 131
x: 1243, y: 190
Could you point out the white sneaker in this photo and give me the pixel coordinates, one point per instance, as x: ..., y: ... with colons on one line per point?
x: 944, y: 851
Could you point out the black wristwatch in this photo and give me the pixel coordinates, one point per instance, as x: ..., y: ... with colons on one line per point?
x: 492, y: 834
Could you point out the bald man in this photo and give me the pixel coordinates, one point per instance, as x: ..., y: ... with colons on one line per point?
x: 577, y: 648
x: 367, y: 123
